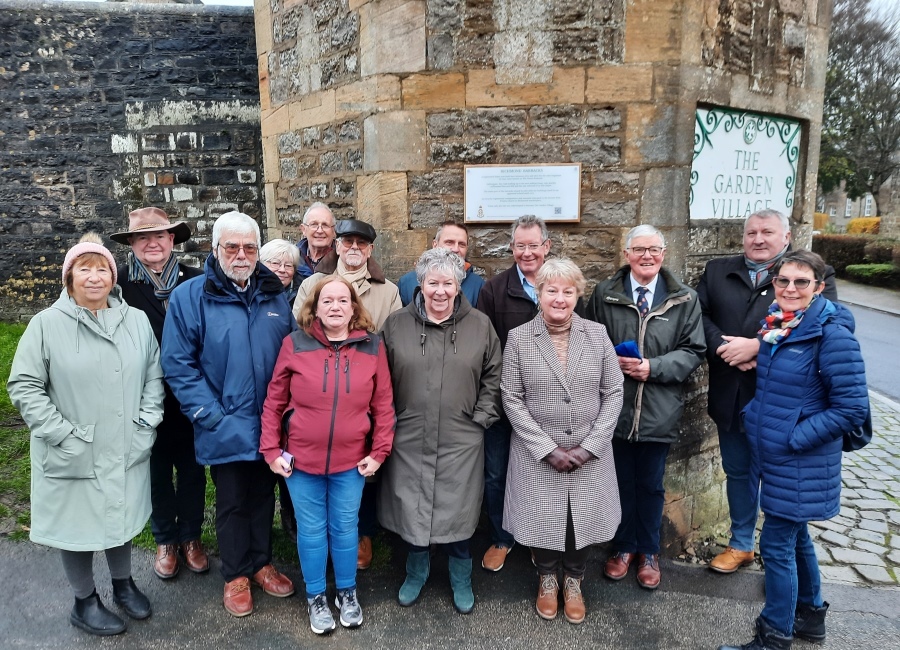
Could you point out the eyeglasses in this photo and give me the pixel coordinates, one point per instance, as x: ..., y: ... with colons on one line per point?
x: 531, y: 248
x: 350, y: 242
x: 250, y: 250
x: 287, y: 266
x: 319, y: 226
x: 784, y: 283
x: 655, y: 251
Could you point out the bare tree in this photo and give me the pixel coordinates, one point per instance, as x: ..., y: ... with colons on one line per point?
x: 861, y: 118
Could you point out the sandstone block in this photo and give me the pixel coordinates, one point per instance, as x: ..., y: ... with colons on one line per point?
x: 650, y: 134
x: 653, y: 31
x: 265, y: 97
x: 262, y: 15
x: 381, y: 200
x: 394, y: 141
x: 436, y: 91
x: 369, y: 95
x: 566, y: 87
x: 619, y: 83
x: 665, y: 197
x: 609, y: 213
x: 275, y: 121
x: 314, y: 109
x: 392, y: 36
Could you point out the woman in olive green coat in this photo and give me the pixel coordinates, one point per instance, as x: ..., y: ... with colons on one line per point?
x: 86, y: 379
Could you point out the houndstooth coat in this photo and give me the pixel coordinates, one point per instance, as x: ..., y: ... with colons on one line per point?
x: 549, y: 407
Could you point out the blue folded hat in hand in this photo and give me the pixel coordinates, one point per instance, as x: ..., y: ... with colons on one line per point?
x: 628, y: 349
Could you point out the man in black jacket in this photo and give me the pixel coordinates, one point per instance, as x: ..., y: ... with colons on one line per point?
x: 147, y: 278
x: 735, y: 294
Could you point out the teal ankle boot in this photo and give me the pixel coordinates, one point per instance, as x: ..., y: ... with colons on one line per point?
x: 461, y: 581
x: 418, y: 566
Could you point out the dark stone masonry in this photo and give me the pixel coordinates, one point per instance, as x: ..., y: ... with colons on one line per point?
x: 107, y: 107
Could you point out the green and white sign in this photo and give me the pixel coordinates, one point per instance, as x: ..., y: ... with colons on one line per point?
x: 743, y: 162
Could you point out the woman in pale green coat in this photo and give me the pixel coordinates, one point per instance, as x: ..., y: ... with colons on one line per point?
x: 86, y: 379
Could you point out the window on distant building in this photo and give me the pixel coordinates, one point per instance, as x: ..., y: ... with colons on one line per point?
x: 867, y: 212
x: 832, y: 211
x: 848, y: 211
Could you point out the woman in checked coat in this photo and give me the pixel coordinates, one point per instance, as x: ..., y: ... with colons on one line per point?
x: 562, y: 393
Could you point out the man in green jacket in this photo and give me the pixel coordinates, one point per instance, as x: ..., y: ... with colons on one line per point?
x: 655, y: 322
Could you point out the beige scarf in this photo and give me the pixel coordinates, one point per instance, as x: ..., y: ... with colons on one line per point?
x: 358, y: 278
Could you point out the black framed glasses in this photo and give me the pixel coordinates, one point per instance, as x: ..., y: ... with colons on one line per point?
x: 784, y: 283
x: 655, y: 251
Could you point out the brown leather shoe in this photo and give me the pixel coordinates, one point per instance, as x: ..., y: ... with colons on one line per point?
x: 547, y: 603
x: 165, y: 566
x: 195, y: 557
x: 238, y: 600
x: 731, y: 559
x: 617, y: 565
x: 573, y: 601
x: 495, y: 558
x: 648, y: 571
x: 273, y: 583
x: 364, y: 553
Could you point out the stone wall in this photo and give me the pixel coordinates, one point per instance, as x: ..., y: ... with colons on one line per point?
x: 375, y: 106
x: 107, y: 107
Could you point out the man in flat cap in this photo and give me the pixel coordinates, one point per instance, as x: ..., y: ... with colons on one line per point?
x: 147, y: 278
x: 352, y: 260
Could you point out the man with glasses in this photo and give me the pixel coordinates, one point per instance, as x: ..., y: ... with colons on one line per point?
x: 509, y: 299
x: 646, y: 308
x: 735, y: 293
x: 220, y: 341
x: 318, y: 239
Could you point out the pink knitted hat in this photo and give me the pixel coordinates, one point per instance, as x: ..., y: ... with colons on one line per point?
x: 90, y: 243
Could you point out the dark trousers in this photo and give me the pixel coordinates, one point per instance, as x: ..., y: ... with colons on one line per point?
x: 368, y: 512
x: 245, y: 507
x: 639, y: 471
x: 459, y: 550
x: 496, y: 462
x: 177, y: 488
x: 573, y: 561
x: 284, y: 500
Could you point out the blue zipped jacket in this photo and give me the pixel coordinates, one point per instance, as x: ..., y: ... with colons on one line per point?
x: 218, y: 354
x: 810, y: 389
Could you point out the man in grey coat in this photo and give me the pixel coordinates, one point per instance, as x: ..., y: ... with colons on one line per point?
x: 644, y: 307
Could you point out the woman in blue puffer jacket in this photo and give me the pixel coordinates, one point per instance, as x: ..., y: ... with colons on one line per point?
x: 810, y: 389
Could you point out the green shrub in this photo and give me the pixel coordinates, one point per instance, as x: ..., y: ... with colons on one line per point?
x: 864, y: 225
x: 880, y: 251
x: 879, y: 275
x: 841, y: 250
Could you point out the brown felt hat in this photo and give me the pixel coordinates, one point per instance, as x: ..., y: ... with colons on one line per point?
x: 145, y: 220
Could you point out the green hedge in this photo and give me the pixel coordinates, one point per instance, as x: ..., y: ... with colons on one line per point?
x: 879, y: 275
x: 841, y: 250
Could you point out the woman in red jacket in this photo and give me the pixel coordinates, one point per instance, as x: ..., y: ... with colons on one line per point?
x: 330, y: 390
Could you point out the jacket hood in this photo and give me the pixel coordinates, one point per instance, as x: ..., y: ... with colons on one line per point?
x: 113, y: 316
x: 218, y: 284
x: 461, y: 309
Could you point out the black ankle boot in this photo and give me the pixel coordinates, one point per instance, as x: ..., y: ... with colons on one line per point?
x: 90, y: 615
x: 767, y: 638
x: 809, y: 622
x: 127, y: 596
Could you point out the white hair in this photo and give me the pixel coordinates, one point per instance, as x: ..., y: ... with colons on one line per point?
x: 235, y: 222
x: 644, y: 230
x: 440, y: 260
x: 276, y: 250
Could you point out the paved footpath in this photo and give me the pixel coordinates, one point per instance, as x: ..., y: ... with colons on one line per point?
x: 862, y: 544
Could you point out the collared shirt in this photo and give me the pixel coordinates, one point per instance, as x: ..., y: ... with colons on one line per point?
x: 650, y: 286
x: 530, y: 289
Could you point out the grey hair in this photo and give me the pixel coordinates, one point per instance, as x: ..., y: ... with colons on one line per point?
x: 236, y: 222
x: 529, y: 221
x: 771, y: 214
x: 440, y: 260
x: 644, y: 230
x: 318, y: 205
x: 560, y: 268
x: 277, y: 249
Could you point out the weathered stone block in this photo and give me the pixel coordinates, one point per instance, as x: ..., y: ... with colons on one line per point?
x: 288, y: 168
x: 616, y: 182
x: 381, y: 200
x: 609, y: 213
x: 435, y: 91
x: 440, y: 51
x: 604, y: 119
x: 369, y: 95
x: 394, y: 141
x: 495, y: 122
x: 653, y: 31
x: 427, y: 214
x: 596, y: 151
x: 476, y: 152
x: 555, y: 119
x: 665, y: 198
x: 392, y: 37
x: 289, y: 143
x: 445, y: 125
x: 331, y: 162
x: 651, y: 136
x: 437, y: 183
x: 619, y: 83
x: 275, y: 121
x: 537, y: 151
x: 566, y: 87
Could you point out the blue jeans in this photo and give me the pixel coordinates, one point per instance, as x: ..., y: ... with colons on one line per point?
x: 639, y: 471
x: 496, y: 462
x: 327, y: 508
x: 742, y: 507
x: 792, y: 571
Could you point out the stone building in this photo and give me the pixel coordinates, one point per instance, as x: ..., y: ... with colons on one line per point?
x: 375, y: 106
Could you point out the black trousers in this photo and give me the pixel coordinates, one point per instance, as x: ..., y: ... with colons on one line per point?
x: 572, y: 561
x: 245, y: 507
x: 178, y: 501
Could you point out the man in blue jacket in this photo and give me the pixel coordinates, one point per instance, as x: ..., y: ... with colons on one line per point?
x: 220, y: 341
x: 455, y: 237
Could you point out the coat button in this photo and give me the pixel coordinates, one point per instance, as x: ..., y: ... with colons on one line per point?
x: 568, y: 432
x: 567, y: 400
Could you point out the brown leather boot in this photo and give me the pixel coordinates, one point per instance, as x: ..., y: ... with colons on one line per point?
x: 364, y: 553
x: 573, y: 601
x: 195, y: 557
x: 238, y: 600
x: 547, y: 603
x: 166, y: 563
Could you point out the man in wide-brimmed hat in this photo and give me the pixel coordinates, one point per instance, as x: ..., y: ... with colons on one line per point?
x: 150, y: 274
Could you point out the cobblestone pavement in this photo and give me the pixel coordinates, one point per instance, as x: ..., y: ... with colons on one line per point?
x: 862, y: 544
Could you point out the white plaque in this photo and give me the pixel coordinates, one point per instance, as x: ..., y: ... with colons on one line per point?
x: 743, y: 162
x: 503, y: 193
